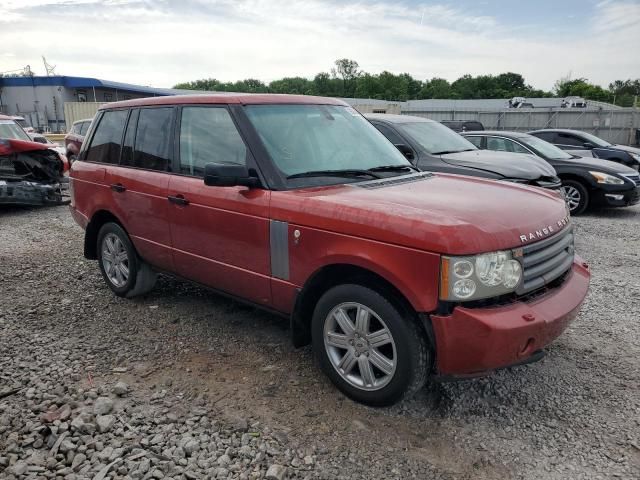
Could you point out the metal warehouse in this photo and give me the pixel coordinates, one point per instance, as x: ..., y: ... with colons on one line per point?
x: 47, y: 103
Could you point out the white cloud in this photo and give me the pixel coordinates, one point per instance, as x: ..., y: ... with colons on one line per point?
x: 162, y: 43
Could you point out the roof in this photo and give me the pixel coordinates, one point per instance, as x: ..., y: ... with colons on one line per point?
x: 83, y: 82
x: 502, y: 133
x: 227, y: 98
x: 560, y: 130
x: 391, y: 118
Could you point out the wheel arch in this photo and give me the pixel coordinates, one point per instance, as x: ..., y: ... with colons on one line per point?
x: 98, y: 219
x: 334, y: 274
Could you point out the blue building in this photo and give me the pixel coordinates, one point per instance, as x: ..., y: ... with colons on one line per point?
x: 42, y: 100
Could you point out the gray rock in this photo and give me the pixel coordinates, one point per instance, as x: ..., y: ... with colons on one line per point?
x: 191, y: 447
x: 276, y: 472
x: 77, y: 462
x: 120, y: 389
x: 18, y: 468
x: 105, y: 422
x: 103, y: 406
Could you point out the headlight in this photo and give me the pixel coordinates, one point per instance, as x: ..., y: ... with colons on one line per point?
x: 635, y: 156
x: 479, y: 276
x: 606, y: 178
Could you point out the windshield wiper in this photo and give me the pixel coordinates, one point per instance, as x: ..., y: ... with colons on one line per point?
x: 444, y: 152
x: 393, y: 168
x: 335, y: 173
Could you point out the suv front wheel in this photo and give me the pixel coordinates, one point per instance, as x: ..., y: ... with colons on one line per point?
x: 125, y: 273
x: 370, y: 349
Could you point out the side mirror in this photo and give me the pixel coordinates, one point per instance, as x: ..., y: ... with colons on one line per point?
x: 405, y: 150
x: 40, y: 140
x: 588, y: 145
x: 228, y: 175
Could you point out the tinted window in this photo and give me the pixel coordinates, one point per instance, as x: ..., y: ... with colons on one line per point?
x: 435, y: 138
x: 566, y: 139
x: 504, y: 145
x: 105, y: 145
x: 477, y: 141
x: 392, y: 136
x: 207, y: 134
x: 153, y: 137
x: 129, y: 138
x: 546, y: 136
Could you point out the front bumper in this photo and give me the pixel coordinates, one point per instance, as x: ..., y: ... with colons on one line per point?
x: 32, y: 193
x: 474, y: 341
x: 622, y: 199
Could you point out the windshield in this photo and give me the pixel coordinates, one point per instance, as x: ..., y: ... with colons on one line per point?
x: 312, y: 138
x: 546, y: 149
x: 435, y: 138
x: 587, y: 137
x: 10, y: 129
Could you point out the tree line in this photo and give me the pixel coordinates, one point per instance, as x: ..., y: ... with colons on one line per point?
x: 347, y: 80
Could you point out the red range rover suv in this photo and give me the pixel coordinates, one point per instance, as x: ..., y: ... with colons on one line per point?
x: 299, y: 205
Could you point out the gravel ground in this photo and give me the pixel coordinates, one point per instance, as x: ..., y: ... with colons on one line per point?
x: 184, y: 384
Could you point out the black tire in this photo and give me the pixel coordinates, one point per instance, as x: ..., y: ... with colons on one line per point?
x: 411, y: 353
x: 578, y: 188
x: 141, y: 278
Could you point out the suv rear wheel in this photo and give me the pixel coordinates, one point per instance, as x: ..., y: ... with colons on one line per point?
x: 125, y: 273
x: 576, y: 196
x: 371, y: 350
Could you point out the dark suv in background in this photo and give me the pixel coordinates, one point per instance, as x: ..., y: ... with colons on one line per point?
x: 587, y: 145
x: 463, y: 125
x: 586, y: 181
x: 433, y: 147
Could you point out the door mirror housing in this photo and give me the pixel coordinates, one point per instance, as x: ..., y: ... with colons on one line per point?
x: 405, y: 150
x: 229, y: 175
x: 588, y: 145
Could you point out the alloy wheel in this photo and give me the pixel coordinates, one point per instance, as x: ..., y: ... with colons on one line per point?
x: 115, y: 260
x: 360, y: 346
x: 572, y: 196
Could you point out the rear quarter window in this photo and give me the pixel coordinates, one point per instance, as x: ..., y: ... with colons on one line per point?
x: 105, y: 144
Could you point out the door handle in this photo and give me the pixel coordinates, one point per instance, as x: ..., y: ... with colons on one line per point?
x: 178, y: 200
x: 118, y: 187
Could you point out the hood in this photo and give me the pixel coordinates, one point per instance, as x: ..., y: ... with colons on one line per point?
x: 605, y: 166
x: 10, y: 145
x: 30, y: 161
x: 506, y: 164
x: 626, y: 148
x: 439, y: 213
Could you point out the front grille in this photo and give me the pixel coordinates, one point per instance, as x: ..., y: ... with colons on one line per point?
x: 544, y: 261
x: 634, y: 177
x: 386, y: 182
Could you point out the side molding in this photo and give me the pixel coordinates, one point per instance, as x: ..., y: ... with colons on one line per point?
x: 279, y: 241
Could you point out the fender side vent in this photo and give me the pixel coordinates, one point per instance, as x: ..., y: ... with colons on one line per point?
x: 387, y: 182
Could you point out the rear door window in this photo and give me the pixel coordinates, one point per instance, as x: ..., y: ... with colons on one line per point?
x: 477, y: 141
x: 105, y: 144
x: 208, y: 135
x: 153, y: 139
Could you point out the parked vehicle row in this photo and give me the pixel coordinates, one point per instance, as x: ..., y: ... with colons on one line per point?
x: 300, y: 205
x: 587, y: 182
x: 431, y: 146
x: 586, y: 145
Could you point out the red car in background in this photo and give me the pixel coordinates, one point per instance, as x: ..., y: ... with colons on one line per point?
x: 73, y: 140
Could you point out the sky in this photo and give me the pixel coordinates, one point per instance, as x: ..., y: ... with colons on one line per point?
x: 161, y: 43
